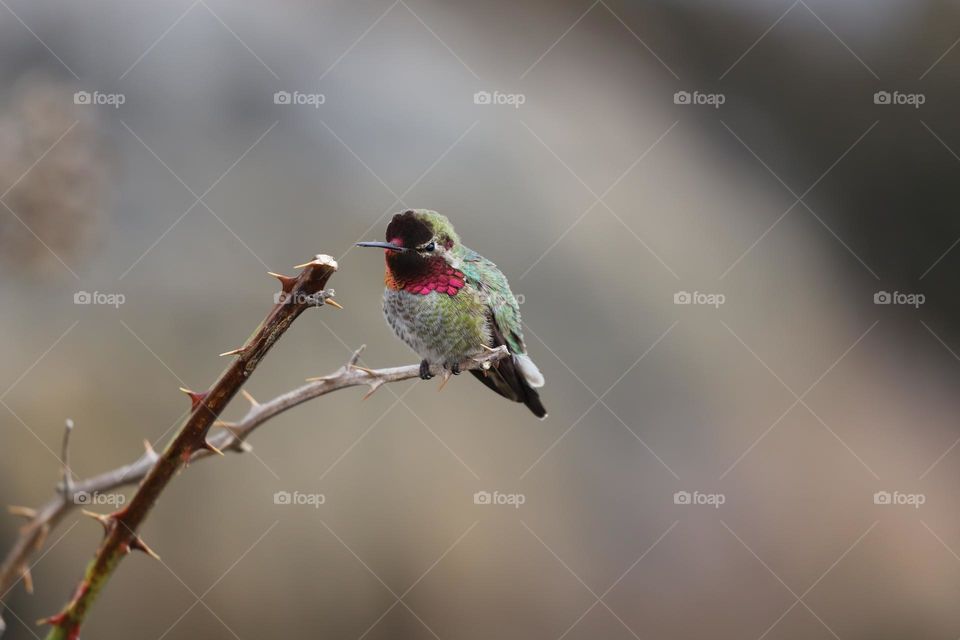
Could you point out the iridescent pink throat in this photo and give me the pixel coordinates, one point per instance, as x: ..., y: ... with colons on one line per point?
x: 439, y: 277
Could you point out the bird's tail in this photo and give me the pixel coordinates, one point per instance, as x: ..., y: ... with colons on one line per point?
x: 516, y: 378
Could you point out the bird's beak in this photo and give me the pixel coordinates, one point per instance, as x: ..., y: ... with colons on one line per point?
x: 383, y: 245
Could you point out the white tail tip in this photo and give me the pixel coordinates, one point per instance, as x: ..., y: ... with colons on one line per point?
x: 529, y: 370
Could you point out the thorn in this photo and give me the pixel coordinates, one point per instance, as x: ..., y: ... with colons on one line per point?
x: 250, y: 398
x: 53, y: 621
x: 196, y: 398
x: 234, y: 431
x: 149, y: 450
x: 99, y: 517
x: 209, y: 447
x: 320, y: 259
x: 444, y: 381
x: 332, y: 303
x: 285, y: 281
x: 318, y: 378
x: 27, y: 580
x: 488, y: 349
x: 369, y: 372
x: 373, y: 388
x: 137, y: 544
x: 233, y: 352
x: 42, y: 538
x: 23, y: 512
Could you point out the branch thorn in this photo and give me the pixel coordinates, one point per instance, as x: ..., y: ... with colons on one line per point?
x: 250, y: 398
x: 332, y: 303
x: 27, y: 580
x: 369, y: 372
x: 209, y: 447
x: 445, y: 379
x: 137, y: 544
x: 373, y: 388
x: 233, y: 352
x: 149, y: 450
x: 23, y: 512
x: 285, y: 281
x: 99, y: 517
x: 196, y: 398
x: 53, y: 621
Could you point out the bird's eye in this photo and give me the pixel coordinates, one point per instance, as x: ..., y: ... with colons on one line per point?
x: 430, y: 247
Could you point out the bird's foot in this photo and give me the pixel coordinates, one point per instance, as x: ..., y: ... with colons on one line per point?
x: 425, y: 370
x: 455, y: 369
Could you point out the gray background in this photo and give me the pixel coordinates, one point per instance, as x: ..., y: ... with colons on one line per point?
x: 600, y: 198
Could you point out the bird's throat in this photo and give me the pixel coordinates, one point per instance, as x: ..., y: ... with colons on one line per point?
x: 423, y: 277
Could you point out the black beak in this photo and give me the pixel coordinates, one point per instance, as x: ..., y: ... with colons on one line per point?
x: 382, y: 245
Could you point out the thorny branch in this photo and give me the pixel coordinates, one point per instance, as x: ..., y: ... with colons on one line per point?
x: 42, y: 520
x: 120, y: 527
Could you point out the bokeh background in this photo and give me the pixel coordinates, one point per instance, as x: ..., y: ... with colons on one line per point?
x: 796, y: 400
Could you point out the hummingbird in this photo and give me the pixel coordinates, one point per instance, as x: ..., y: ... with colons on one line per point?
x: 449, y: 303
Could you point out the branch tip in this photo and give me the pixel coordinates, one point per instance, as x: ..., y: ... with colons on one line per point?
x: 355, y: 358
x: 27, y: 580
x: 67, y: 479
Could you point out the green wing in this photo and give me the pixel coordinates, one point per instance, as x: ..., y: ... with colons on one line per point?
x: 484, y: 276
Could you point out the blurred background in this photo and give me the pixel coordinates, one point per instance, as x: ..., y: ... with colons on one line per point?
x: 786, y: 168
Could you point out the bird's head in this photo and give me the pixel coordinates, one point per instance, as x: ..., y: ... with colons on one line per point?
x: 417, y: 239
